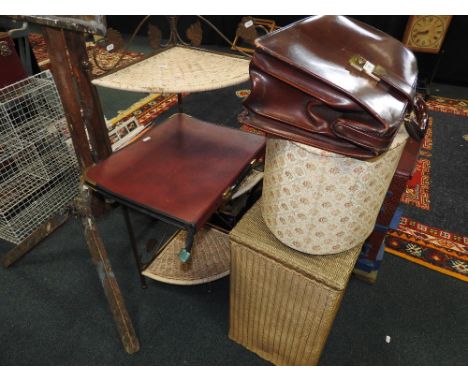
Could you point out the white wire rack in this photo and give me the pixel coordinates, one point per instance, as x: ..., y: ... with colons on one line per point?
x: 39, y: 173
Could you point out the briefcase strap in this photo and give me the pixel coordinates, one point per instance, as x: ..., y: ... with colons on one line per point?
x: 416, y: 118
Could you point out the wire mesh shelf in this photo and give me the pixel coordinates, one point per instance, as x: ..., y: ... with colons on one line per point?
x: 39, y: 173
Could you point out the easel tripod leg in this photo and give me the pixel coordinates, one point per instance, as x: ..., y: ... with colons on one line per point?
x: 108, y: 280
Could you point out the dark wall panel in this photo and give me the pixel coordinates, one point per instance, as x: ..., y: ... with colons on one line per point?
x: 453, y: 65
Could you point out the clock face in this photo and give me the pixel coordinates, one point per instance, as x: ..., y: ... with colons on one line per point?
x: 426, y: 33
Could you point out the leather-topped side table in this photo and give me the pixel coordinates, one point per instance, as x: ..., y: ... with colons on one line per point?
x: 178, y: 172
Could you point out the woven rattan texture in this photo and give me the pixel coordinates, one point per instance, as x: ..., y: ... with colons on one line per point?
x: 282, y: 302
x: 209, y: 261
x: 178, y: 70
x: 331, y: 270
x: 276, y: 312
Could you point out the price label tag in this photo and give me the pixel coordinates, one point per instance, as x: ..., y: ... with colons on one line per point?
x: 368, y: 67
x: 248, y: 24
x: 110, y: 47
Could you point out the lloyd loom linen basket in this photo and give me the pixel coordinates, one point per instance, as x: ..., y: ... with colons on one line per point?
x: 282, y: 302
x: 320, y: 202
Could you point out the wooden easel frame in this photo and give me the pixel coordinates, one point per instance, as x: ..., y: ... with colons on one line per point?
x: 70, y: 67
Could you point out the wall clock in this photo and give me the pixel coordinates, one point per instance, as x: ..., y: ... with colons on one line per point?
x: 426, y: 33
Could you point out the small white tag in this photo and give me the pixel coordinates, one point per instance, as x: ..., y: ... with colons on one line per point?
x: 110, y: 47
x: 146, y: 139
x: 388, y: 339
x: 368, y: 67
x: 248, y: 24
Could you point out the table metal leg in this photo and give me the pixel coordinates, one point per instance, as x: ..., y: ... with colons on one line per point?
x: 184, y: 254
x: 134, y: 245
x: 180, y: 107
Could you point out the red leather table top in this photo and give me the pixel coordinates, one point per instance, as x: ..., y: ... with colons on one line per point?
x: 179, y: 169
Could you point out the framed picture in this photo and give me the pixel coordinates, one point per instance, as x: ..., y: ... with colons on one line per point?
x: 123, y: 132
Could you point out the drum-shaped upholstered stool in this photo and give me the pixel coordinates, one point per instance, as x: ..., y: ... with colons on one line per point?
x: 321, y: 202
x: 283, y: 302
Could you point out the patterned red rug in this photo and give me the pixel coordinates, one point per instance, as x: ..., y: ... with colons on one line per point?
x: 417, y: 188
x: 448, y: 105
x: 148, y: 110
x: 39, y: 49
x: 144, y: 112
x: 430, y: 247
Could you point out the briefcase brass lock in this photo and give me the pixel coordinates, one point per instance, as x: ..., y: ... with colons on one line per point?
x: 361, y: 64
x: 4, y: 49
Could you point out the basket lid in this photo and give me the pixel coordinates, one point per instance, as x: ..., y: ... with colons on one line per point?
x: 332, y: 270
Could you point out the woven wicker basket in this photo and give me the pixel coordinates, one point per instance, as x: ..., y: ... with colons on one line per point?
x: 283, y: 302
x: 209, y: 261
x: 320, y: 202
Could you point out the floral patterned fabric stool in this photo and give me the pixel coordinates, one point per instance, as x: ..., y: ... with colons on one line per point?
x: 320, y: 202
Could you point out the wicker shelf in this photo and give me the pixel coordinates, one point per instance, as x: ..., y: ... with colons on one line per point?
x: 179, y: 69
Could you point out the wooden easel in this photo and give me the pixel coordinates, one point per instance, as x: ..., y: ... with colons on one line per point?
x: 70, y: 68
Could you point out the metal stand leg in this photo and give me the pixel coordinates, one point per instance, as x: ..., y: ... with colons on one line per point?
x: 179, y: 103
x: 433, y: 74
x: 107, y: 276
x: 134, y: 245
x: 184, y: 254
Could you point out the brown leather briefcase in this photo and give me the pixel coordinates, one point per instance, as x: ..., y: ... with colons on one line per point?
x: 334, y: 83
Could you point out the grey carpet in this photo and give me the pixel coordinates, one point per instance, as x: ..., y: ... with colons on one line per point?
x: 448, y: 176
x: 53, y: 310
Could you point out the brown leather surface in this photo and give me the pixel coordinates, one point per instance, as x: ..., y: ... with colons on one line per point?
x: 306, y: 119
x: 408, y: 159
x: 12, y: 69
x: 322, y: 46
x: 301, y: 76
x: 180, y: 168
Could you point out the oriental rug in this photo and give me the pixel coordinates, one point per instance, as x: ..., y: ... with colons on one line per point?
x: 143, y: 112
x: 430, y: 247
x: 39, y: 49
x: 448, y: 105
x: 417, y: 188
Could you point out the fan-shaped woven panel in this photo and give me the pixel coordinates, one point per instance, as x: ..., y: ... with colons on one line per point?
x: 210, y: 259
x: 179, y: 70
